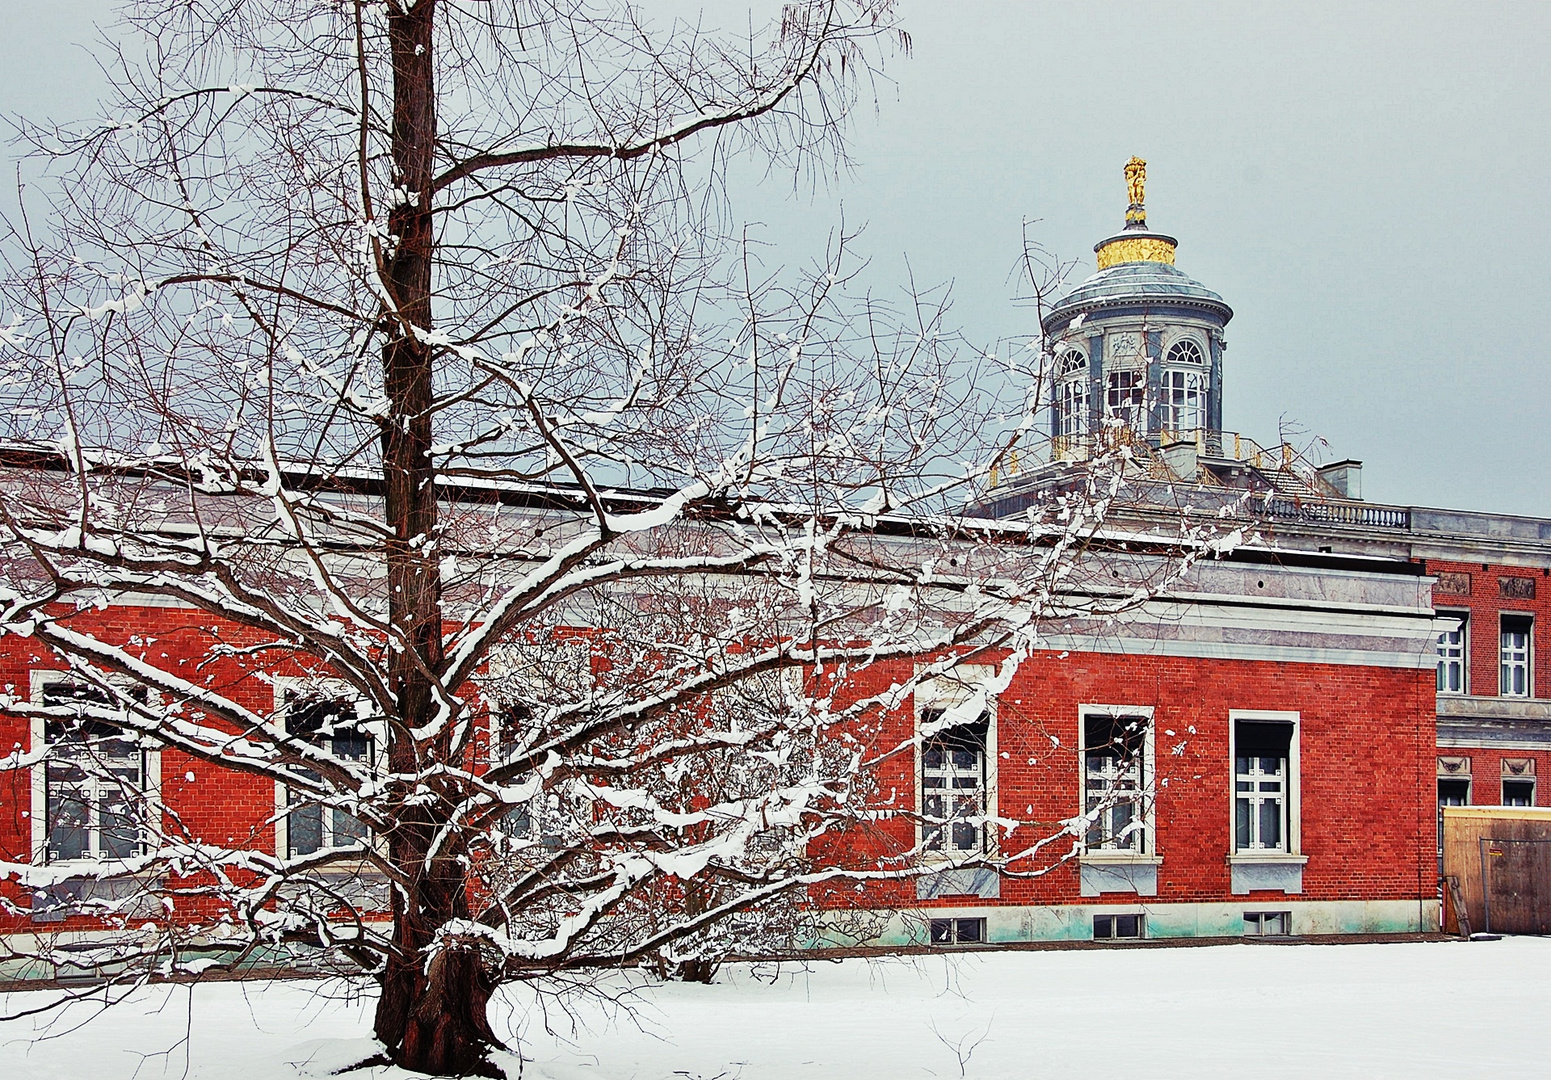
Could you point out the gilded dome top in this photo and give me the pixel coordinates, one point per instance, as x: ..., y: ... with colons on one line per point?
x: 1136, y: 269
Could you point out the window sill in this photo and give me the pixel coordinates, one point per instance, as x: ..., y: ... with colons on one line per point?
x: 1261, y: 858
x: 1120, y: 858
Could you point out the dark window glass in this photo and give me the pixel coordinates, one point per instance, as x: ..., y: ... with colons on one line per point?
x: 1518, y: 793
x: 1453, y: 792
x: 330, y: 723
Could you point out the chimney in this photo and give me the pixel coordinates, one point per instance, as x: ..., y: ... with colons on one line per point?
x: 1181, y: 459
x: 1345, y: 476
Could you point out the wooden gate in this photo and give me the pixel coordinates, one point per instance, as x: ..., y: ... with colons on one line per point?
x: 1501, y: 857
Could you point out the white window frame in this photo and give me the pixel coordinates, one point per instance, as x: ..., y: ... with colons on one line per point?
x: 1071, y: 406
x: 1184, y: 399
x: 1292, y: 831
x: 1146, y: 798
x: 150, y: 778
x: 335, y: 690
x: 944, y: 692
x: 1513, y: 658
x: 1126, y: 403
x: 1454, y: 652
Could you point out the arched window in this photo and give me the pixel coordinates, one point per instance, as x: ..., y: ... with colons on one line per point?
x: 1185, y: 352
x: 1071, y: 396
x: 1183, y: 387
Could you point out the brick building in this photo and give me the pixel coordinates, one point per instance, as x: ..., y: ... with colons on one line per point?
x: 1258, y: 749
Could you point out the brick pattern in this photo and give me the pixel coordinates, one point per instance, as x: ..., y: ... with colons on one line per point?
x: 1367, y: 748
x: 1488, y: 599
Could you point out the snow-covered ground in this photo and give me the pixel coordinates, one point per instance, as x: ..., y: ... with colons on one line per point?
x: 1411, y: 1010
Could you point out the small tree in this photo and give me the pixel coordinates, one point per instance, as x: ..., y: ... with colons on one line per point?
x: 395, y: 344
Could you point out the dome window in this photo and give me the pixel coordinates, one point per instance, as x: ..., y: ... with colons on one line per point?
x: 1071, y: 396
x: 1185, y: 352
x: 1125, y: 391
x: 1183, y: 389
x: 1183, y: 392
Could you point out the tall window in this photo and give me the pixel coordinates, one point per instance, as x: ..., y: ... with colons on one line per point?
x: 1261, y: 782
x: 1124, y: 393
x: 1071, y: 405
x: 94, y: 779
x: 1115, y: 782
x: 511, y: 725
x: 953, y: 785
x: 1451, y: 657
x: 1514, y: 656
x: 1182, y: 394
x: 1183, y: 387
x: 332, y: 724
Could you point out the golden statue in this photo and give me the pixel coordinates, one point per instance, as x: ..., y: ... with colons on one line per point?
x: 1136, y: 186
x: 1136, y: 181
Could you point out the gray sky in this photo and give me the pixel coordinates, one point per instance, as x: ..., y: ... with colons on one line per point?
x: 1366, y: 185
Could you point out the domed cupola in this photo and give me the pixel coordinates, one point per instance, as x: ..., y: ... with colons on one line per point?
x: 1139, y: 342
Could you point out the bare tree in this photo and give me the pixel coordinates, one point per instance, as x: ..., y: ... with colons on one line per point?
x: 524, y: 532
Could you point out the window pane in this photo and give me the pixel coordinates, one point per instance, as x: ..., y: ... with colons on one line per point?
x: 970, y: 930
x: 66, y: 820
x: 1241, y: 837
x: 120, y: 836
x: 304, y: 828
x: 348, y: 829
x: 1122, y: 815
x: 942, y: 931
x: 1271, y: 823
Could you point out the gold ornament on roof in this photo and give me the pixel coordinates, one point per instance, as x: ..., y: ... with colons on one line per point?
x: 1134, y: 243
x: 1136, y: 187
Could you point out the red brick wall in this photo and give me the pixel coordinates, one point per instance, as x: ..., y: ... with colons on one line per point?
x: 1486, y: 775
x: 1367, y: 746
x: 1485, y: 603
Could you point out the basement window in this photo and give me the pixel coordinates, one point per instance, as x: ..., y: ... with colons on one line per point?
x: 1267, y: 923
x: 958, y: 931
x: 1119, y: 927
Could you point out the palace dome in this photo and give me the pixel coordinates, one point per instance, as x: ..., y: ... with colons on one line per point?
x: 1144, y: 283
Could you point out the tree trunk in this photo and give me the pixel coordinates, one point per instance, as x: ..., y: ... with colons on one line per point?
x: 432, y: 1013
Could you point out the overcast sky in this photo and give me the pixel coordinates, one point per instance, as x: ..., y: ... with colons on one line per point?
x: 1365, y: 184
